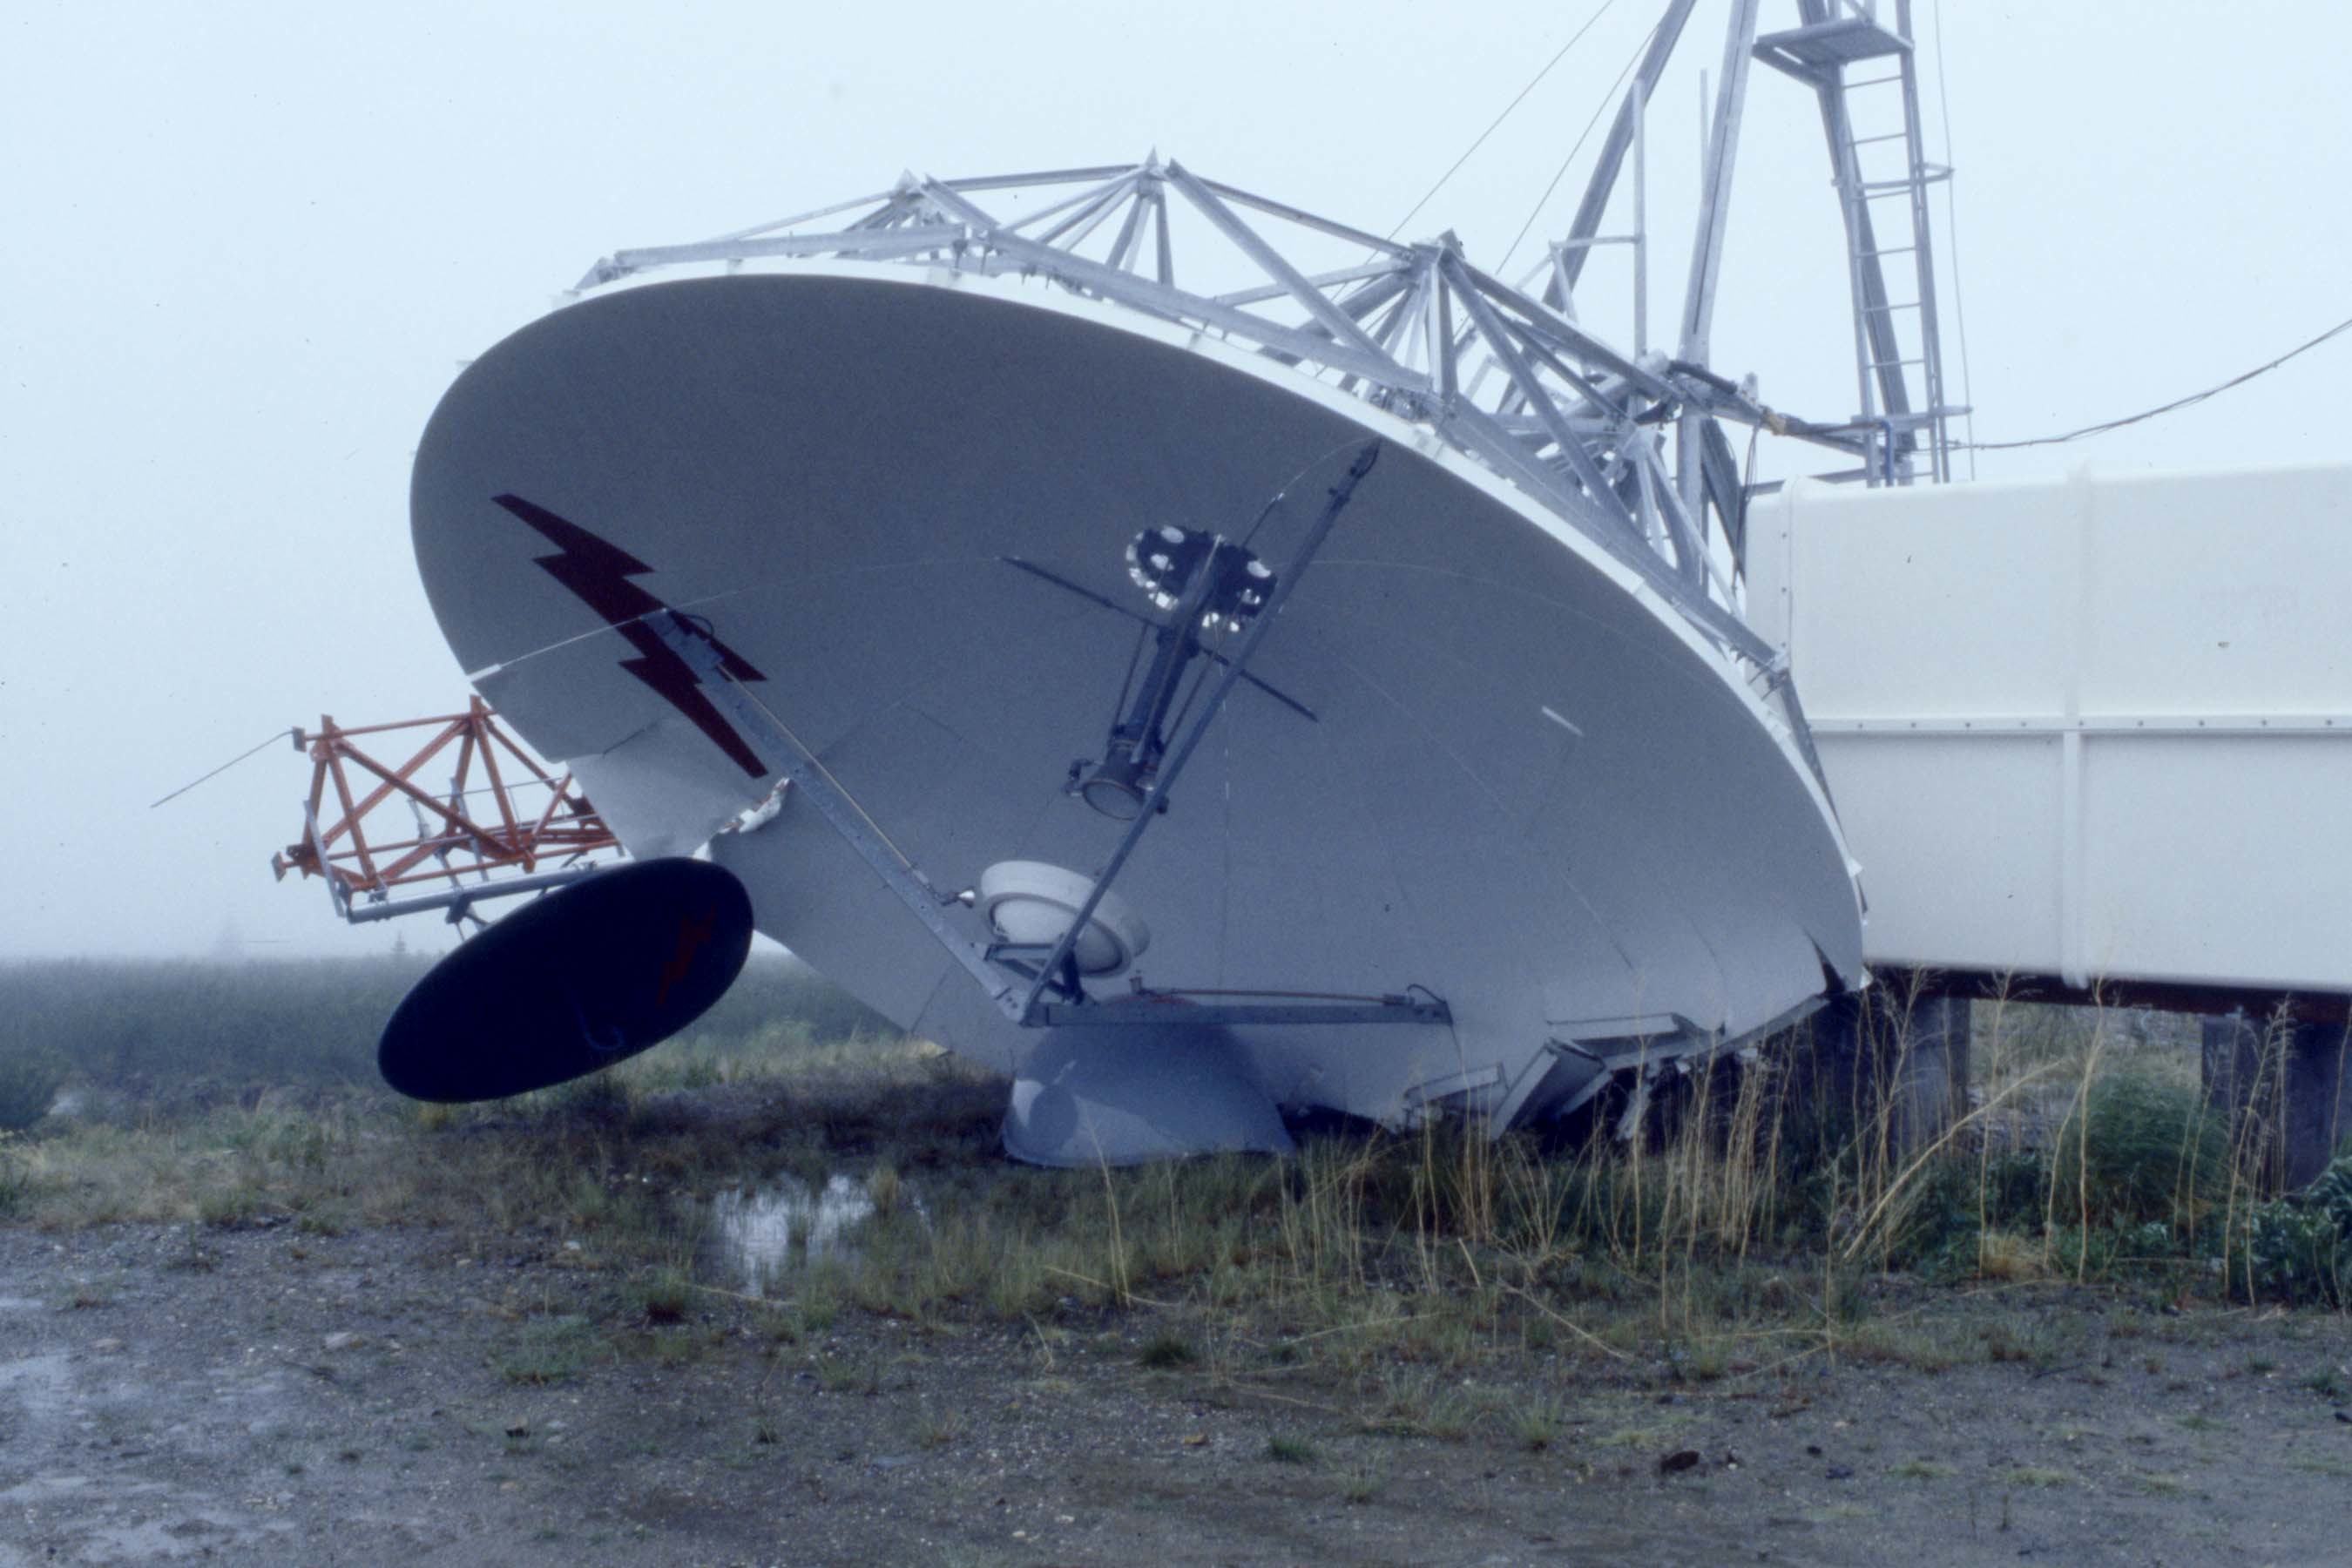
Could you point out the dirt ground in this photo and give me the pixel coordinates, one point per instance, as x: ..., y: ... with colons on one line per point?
x: 398, y: 1395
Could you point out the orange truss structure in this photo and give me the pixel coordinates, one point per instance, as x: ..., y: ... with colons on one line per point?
x: 502, y: 822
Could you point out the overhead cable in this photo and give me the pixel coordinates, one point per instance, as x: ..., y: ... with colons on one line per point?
x: 2175, y: 404
x: 1952, y: 236
x: 1497, y: 123
x: 220, y: 770
x: 1502, y: 267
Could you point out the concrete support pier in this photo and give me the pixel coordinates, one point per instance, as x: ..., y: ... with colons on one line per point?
x: 2284, y: 1083
x: 1888, y: 1057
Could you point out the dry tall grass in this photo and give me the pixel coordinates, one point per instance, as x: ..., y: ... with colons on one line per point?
x: 1748, y: 1217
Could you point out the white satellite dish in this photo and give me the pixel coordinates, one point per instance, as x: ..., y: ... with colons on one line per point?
x: 1484, y: 816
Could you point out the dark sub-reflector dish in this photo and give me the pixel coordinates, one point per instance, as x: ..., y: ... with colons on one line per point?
x: 573, y: 982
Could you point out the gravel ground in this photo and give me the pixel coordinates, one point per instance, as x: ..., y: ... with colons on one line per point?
x: 395, y: 1397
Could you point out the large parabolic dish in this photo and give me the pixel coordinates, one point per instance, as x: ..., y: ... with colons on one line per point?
x: 1478, y: 759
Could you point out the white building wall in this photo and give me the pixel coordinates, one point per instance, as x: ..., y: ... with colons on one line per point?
x: 2095, y: 728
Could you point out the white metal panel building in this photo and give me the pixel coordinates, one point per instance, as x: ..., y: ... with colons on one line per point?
x: 2097, y: 729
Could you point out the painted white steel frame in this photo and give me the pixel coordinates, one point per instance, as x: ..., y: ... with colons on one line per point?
x: 1416, y: 329
x: 1507, y: 375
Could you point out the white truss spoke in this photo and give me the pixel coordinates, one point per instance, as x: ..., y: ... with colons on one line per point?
x: 1511, y: 381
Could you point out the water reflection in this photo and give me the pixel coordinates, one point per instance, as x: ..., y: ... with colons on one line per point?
x: 765, y: 1231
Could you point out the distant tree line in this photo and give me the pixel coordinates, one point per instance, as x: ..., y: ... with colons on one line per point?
x: 308, y: 1021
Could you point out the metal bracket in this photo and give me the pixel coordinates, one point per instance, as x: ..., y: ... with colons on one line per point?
x: 462, y: 899
x: 1181, y: 753
x: 842, y: 813
x: 1164, y: 1011
x: 1052, y: 973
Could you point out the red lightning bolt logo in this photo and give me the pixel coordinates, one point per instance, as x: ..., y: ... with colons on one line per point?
x: 599, y: 573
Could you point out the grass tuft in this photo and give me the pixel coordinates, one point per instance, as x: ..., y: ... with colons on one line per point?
x: 1168, y: 1350
x: 1921, y: 1470
x: 2036, y: 1476
x: 547, y: 1351
x: 667, y: 1296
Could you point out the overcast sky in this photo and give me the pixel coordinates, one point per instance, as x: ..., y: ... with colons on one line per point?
x: 249, y: 245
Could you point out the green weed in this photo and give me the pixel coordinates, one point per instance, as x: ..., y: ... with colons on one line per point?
x: 1284, y: 1448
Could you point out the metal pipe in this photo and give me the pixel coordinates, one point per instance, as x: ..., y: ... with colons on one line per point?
x: 1366, y: 455
x: 359, y: 914
x: 1640, y: 219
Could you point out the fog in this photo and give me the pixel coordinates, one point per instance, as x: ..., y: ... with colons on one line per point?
x: 251, y: 245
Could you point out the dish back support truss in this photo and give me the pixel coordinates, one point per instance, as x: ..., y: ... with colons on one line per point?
x: 489, y: 835
x: 1415, y: 329
x: 1505, y: 374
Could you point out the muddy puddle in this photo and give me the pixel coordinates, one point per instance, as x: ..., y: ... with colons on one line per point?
x: 761, y: 1234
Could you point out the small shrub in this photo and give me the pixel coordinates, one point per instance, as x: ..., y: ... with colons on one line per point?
x: 16, y: 1179
x: 1935, y: 1214
x: 28, y: 1086
x: 1286, y: 1449
x: 2142, y: 1151
x: 838, y: 1375
x: 1536, y: 1424
x: 937, y: 1428
x: 2009, y: 1186
x: 667, y: 1297
x: 2016, y: 1338
x: 2003, y: 1255
x: 2298, y: 1249
x: 228, y: 1208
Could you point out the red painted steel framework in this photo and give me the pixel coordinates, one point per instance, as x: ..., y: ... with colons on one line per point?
x: 490, y: 825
